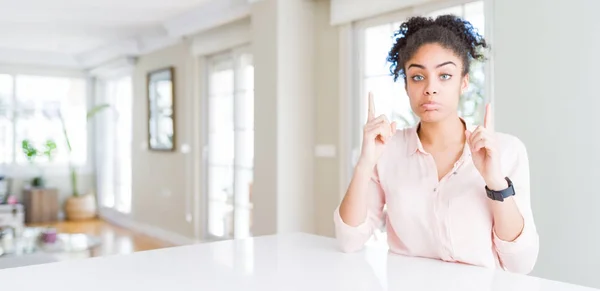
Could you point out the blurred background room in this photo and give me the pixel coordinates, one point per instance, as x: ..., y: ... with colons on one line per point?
x: 134, y: 125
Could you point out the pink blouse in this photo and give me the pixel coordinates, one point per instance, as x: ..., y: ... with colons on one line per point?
x: 449, y: 219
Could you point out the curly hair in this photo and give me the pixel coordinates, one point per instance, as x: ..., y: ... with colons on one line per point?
x: 450, y: 31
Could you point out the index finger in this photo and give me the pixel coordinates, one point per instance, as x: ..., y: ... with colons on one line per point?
x: 371, y: 113
x: 488, y: 120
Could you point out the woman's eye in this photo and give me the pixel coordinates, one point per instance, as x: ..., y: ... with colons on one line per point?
x: 417, y: 78
x: 446, y: 76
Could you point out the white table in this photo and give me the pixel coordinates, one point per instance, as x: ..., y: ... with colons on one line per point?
x: 283, y: 262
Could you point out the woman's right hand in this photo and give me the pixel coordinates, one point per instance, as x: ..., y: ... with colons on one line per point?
x: 376, y: 133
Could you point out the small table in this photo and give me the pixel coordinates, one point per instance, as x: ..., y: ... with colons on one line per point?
x: 30, y: 249
x: 70, y: 242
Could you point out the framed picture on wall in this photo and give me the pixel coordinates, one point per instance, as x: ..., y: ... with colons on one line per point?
x: 161, y: 109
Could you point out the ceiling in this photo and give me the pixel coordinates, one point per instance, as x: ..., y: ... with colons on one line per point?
x: 74, y: 33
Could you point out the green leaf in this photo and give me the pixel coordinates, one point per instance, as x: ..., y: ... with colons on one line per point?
x: 29, y: 150
x: 96, y: 109
x: 50, y: 149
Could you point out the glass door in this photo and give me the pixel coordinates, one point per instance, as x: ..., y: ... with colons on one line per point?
x: 230, y: 159
x: 114, y: 144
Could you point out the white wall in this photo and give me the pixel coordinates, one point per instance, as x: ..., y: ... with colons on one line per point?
x: 162, y: 181
x: 343, y: 11
x: 546, y: 92
x: 327, y: 118
x: 264, y: 46
x: 295, y: 113
x: 283, y: 48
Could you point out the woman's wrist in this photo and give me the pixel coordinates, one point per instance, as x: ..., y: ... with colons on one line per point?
x: 364, y: 166
x: 497, y: 183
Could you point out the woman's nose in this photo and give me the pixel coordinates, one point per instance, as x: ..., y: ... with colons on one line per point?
x: 431, y: 90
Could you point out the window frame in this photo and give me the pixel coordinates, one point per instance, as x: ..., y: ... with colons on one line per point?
x: 232, y: 55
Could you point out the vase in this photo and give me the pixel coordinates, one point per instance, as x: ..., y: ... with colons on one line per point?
x: 80, y: 207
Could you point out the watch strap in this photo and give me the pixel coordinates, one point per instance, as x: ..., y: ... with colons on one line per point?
x: 501, y: 194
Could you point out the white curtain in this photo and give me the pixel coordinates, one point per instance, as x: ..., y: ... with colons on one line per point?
x: 113, y: 143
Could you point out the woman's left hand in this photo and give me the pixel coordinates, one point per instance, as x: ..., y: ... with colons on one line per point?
x: 485, y: 152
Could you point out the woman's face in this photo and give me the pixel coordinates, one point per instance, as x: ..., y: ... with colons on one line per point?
x: 434, y: 82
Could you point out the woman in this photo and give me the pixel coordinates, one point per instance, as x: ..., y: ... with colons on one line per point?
x: 453, y: 191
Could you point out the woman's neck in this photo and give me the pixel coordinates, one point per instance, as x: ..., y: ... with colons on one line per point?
x: 442, y: 134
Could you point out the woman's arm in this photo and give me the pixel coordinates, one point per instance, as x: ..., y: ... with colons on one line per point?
x: 508, y: 220
x: 353, y: 209
x: 514, y: 232
x: 361, y: 210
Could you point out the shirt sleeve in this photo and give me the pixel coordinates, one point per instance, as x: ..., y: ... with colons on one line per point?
x: 353, y: 238
x: 520, y: 255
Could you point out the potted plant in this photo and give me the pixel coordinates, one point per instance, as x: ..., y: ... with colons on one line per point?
x: 79, y: 206
x: 31, y: 153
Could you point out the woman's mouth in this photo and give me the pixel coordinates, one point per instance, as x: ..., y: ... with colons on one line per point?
x: 430, y: 106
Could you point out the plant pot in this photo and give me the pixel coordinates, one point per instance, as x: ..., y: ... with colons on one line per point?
x: 80, y: 208
x: 38, y: 182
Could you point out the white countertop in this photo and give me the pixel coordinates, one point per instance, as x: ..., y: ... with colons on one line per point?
x: 283, y: 262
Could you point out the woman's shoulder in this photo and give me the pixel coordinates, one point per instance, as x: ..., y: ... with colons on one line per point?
x: 401, y: 142
x: 403, y: 136
x: 512, y: 148
x: 509, y: 141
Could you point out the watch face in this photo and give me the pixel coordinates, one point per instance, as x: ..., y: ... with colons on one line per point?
x: 495, y: 195
x: 498, y: 196
x: 501, y: 195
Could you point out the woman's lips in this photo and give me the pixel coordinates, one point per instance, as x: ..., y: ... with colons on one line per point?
x: 430, y: 106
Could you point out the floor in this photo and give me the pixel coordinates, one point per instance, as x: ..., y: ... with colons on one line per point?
x: 114, y: 239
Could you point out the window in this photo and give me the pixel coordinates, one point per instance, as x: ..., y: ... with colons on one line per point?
x: 31, y: 107
x: 230, y: 161
x: 390, y: 99
x: 6, y: 117
x: 115, y: 140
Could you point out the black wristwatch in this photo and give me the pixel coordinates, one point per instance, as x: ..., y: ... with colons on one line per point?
x: 502, y: 194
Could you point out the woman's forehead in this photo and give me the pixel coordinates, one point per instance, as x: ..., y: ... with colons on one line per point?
x: 432, y: 56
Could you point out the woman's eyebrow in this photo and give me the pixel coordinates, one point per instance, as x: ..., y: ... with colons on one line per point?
x: 440, y: 65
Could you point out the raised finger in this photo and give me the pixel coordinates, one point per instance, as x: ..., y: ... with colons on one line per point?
x: 488, y: 119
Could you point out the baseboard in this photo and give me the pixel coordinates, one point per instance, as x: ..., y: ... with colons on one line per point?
x: 149, y: 230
